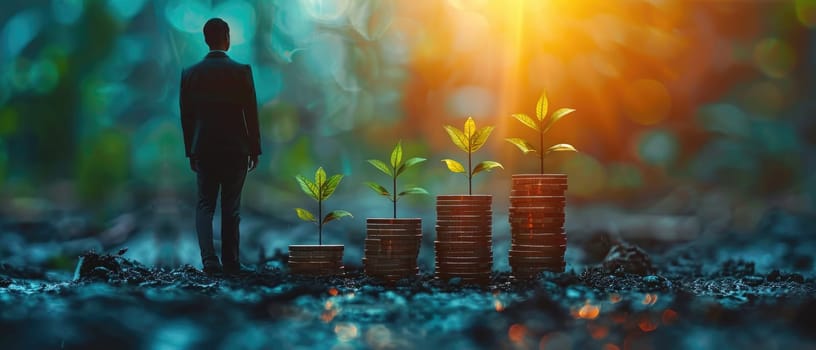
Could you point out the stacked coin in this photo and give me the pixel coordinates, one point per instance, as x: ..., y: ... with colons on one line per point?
x: 391, y: 248
x: 464, y: 245
x: 316, y: 259
x: 537, y: 224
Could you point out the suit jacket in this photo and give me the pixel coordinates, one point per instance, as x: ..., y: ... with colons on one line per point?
x: 219, y: 111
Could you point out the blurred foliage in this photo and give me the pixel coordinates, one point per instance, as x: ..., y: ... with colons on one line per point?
x: 710, y: 93
x: 103, y: 165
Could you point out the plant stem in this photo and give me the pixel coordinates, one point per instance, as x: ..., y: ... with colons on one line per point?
x: 395, y: 193
x: 320, y: 222
x: 541, y: 150
x: 470, y: 177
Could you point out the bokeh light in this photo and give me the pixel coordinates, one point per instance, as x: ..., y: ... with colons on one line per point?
x: 665, y: 92
x: 67, y: 11
x: 774, y: 57
x: 658, y: 147
x: 646, y: 101
x: 19, y: 31
x: 806, y: 12
x: 125, y: 9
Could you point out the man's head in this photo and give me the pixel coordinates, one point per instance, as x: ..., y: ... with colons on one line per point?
x: 216, y: 34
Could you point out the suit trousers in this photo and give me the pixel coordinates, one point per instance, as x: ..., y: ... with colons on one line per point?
x: 227, y: 174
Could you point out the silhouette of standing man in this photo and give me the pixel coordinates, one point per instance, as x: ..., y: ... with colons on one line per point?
x: 219, y: 117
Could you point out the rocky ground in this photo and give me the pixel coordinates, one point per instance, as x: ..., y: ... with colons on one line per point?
x: 736, y: 290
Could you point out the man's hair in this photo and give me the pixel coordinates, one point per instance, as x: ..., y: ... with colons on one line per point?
x: 215, y: 31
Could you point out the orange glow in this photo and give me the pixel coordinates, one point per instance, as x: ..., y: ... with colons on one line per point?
x: 610, y: 346
x: 328, y: 315
x: 615, y: 298
x: 597, y: 332
x: 649, y: 299
x: 646, y: 324
x: 619, y: 318
x: 489, y: 59
x: 669, y: 316
x: 498, y: 305
x: 346, y: 331
x: 333, y: 291
x: 517, y: 333
x: 589, y: 311
x: 646, y: 101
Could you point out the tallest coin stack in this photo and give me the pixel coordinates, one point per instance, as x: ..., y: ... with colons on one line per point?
x: 537, y: 224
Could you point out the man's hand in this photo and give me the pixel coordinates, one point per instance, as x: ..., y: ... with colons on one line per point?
x: 253, y: 162
x: 193, y: 164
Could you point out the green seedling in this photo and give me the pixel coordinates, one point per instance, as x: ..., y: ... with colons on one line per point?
x: 542, y: 124
x: 394, y: 170
x: 470, y: 140
x: 320, y: 189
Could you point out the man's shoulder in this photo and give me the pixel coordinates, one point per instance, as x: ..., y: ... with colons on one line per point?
x: 237, y: 64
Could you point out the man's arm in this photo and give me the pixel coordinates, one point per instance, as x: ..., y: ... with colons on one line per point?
x: 251, y: 115
x: 251, y: 119
x: 187, y: 121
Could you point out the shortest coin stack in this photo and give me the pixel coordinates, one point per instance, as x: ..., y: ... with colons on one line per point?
x: 464, y: 244
x: 537, y: 224
x: 316, y: 259
x: 391, y: 248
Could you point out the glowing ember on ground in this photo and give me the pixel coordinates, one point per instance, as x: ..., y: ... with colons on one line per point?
x: 597, y: 331
x: 329, y: 313
x: 498, y: 305
x: 517, y: 333
x: 669, y: 316
x: 333, y: 292
x: 614, y: 298
x: 649, y: 299
x: 646, y: 324
x: 346, y: 331
x: 589, y: 311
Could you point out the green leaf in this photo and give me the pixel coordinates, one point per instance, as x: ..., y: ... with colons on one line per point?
x: 526, y: 120
x: 409, y: 163
x: 470, y: 128
x: 486, y: 166
x: 541, y: 107
x: 561, y: 147
x: 320, y: 177
x: 413, y: 190
x: 458, y: 137
x: 307, y: 186
x: 379, y: 189
x: 561, y: 113
x: 396, y: 155
x: 480, y: 138
x: 454, y: 166
x: 305, y: 215
x: 522, y: 144
x: 381, y: 166
x: 336, y: 214
x: 331, y: 185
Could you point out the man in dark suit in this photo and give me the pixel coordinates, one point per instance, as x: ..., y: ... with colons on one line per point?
x: 219, y: 117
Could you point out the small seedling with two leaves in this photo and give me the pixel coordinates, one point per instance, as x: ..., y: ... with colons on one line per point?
x: 320, y: 189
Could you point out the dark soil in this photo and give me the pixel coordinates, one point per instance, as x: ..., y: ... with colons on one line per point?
x: 707, y: 294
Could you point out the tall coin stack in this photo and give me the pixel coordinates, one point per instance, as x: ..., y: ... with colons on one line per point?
x: 537, y: 224
x: 316, y: 259
x: 464, y: 245
x: 391, y: 248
